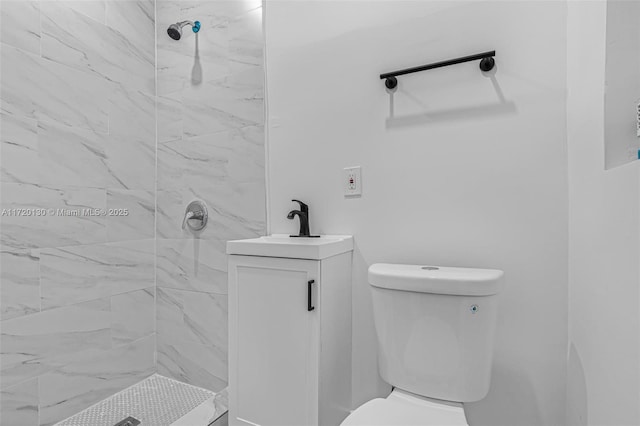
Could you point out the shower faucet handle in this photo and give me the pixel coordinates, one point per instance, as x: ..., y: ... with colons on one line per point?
x: 196, y: 212
x: 188, y: 215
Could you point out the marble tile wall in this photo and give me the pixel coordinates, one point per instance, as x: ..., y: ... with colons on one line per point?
x: 77, y: 130
x: 210, y: 147
x: 92, y: 304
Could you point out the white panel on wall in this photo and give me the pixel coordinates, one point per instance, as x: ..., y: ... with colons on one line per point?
x: 622, y: 82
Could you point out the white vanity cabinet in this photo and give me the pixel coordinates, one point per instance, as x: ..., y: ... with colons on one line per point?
x: 289, y: 333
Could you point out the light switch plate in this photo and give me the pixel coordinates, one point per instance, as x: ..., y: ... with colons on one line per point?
x: 352, y: 181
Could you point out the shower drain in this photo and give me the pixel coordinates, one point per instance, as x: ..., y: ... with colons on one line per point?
x: 129, y: 421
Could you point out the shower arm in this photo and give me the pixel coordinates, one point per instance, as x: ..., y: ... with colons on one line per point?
x: 194, y: 25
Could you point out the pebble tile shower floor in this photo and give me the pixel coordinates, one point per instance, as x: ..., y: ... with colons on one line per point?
x: 155, y: 401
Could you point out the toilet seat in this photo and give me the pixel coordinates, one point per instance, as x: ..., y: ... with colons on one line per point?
x: 401, y: 408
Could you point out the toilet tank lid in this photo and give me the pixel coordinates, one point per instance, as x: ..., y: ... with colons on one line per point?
x: 437, y: 279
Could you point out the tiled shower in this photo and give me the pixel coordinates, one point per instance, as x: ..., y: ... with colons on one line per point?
x: 102, y: 112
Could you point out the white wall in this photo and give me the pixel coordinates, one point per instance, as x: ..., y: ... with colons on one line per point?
x: 458, y: 168
x: 604, y: 332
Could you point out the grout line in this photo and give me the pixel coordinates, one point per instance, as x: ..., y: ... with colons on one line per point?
x: 1, y: 220
x: 265, y: 129
x: 192, y: 291
x: 40, y: 29
x: 155, y: 216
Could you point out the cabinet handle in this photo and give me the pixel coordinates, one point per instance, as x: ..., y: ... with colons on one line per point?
x: 310, y: 307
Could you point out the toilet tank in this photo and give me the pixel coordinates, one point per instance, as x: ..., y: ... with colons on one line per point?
x: 435, y: 328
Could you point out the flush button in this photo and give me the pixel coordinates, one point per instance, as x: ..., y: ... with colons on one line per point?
x: 430, y: 268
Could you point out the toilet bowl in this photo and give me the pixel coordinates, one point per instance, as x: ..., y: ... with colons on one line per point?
x: 402, y: 408
x: 435, y: 329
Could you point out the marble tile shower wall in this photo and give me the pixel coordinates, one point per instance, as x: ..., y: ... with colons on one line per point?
x: 77, y: 131
x: 210, y: 147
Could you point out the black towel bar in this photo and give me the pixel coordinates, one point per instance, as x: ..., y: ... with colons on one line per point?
x: 486, y: 64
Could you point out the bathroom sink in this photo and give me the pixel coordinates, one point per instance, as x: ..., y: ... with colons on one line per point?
x: 281, y: 245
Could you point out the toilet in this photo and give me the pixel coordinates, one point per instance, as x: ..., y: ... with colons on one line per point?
x: 435, y: 329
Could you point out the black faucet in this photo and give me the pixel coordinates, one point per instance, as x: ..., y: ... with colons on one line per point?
x: 303, y: 215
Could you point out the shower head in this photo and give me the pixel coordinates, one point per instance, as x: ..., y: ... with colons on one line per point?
x: 175, y: 30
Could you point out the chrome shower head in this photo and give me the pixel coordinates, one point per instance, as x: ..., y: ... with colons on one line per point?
x: 175, y: 30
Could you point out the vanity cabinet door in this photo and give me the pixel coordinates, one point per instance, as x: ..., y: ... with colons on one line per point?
x: 274, y: 341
